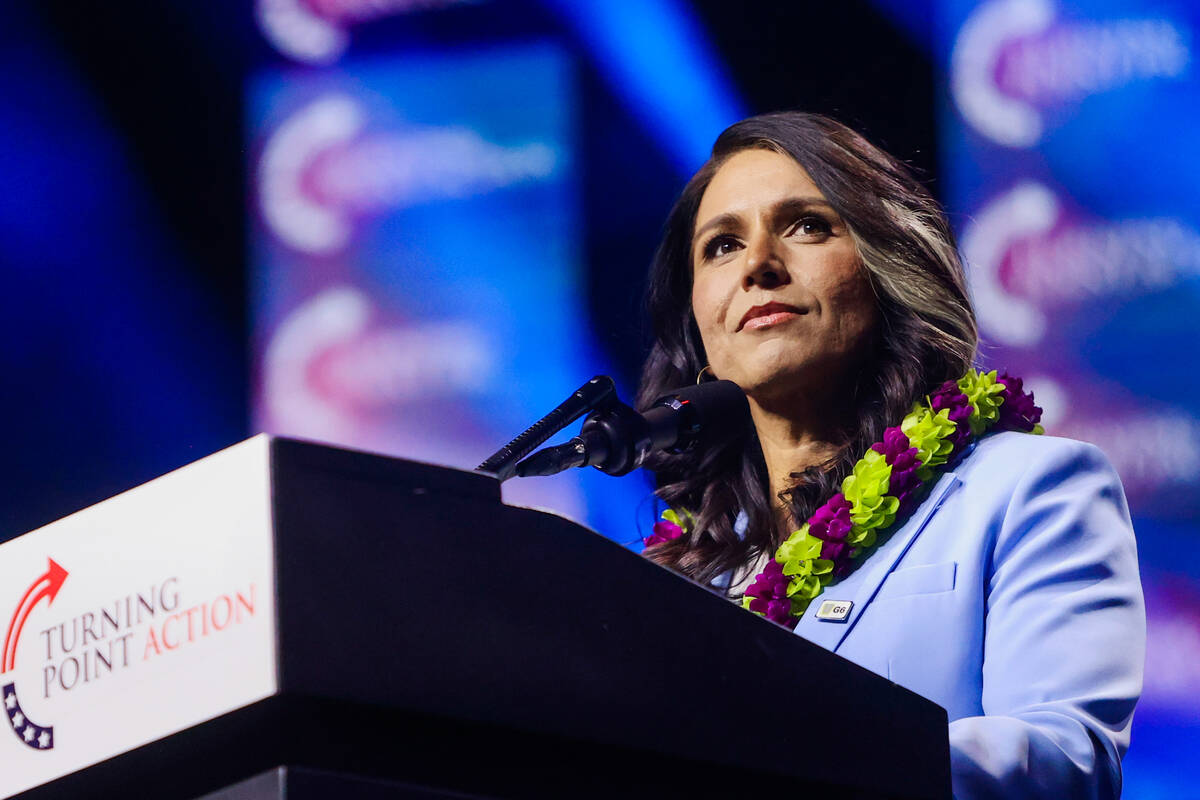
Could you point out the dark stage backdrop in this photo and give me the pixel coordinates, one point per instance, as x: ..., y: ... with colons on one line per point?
x: 413, y: 227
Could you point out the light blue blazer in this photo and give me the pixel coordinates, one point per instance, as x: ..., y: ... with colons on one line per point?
x: 1010, y: 597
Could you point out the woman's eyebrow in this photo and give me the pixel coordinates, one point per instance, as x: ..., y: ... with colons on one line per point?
x: 719, y: 221
x: 785, y: 206
x: 794, y: 204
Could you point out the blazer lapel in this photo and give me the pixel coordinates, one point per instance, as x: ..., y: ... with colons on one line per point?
x: 862, y: 585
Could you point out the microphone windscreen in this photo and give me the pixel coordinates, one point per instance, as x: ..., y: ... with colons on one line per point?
x: 716, y: 412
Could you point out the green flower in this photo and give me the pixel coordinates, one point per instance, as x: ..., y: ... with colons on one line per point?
x: 862, y: 538
x: 799, y: 546
x: 985, y: 394
x: 871, y: 506
x: 929, y: 433
x: 804, y: 588
x: 801, y: 558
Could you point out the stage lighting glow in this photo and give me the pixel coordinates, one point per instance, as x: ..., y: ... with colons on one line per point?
x: 657, y: 61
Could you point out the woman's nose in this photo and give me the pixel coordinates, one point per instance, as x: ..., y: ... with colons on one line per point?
x: 764, y: 265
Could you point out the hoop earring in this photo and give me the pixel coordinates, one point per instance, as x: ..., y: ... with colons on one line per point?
x: 700, y: 374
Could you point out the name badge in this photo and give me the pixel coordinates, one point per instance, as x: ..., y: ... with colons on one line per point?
x: 834, y: 610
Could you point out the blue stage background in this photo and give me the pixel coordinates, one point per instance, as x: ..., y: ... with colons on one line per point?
x: 1070, y: 168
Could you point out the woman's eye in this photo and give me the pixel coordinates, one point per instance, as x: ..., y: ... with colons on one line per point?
x: 720, y: 246
x: 813, y: 226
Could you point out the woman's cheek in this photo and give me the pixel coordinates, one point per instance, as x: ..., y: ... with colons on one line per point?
x: 707, y: 314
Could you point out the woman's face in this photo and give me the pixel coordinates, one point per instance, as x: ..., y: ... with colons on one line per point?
x: 778, y: 292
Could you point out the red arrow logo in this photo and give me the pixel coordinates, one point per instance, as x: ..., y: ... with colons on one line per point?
x: 45, y: 586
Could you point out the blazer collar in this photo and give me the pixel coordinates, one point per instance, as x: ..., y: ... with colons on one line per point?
x: 862, y: 585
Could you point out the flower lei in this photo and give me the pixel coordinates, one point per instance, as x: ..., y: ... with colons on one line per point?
x: 884, y: 485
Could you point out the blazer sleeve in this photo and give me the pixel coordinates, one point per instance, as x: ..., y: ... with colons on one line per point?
x: 1064, y: 639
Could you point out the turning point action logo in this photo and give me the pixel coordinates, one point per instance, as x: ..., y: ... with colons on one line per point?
x: 39, y: 737
x: 92, y: 645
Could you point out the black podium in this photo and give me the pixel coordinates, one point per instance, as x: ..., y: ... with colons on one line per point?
x: 431, y: 642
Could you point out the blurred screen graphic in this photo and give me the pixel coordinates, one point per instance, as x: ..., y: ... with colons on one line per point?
x: 418, y: 285
x: 1069, y: 165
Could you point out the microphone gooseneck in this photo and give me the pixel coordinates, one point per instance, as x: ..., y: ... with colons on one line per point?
x: 599, y: 392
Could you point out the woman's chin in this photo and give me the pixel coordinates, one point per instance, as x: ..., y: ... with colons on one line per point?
x: 783, y: 384
x: 777, y: 381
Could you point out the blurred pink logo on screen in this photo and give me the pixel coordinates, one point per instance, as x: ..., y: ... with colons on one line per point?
x: 322, y: 169
x: 315, y: 31
x: 1026, y: 255
x: 1015, y: 59
x: 333, y: 371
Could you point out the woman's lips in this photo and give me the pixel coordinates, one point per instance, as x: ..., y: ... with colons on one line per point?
x: 767, y: 315
x: 769, y: 320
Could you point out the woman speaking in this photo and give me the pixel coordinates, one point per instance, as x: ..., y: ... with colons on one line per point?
x: 972, y: 560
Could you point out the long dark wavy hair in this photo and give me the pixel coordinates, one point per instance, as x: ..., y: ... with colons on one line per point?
x: 927, y: 334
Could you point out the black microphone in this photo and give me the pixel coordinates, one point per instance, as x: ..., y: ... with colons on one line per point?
x: 617, y: 440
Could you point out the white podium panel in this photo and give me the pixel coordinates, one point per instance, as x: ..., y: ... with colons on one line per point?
x: 136, y: 618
